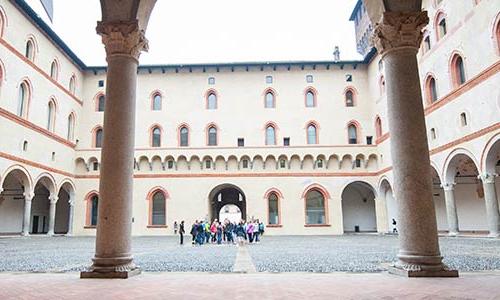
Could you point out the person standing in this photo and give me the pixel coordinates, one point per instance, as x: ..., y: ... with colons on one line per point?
x: 175, y: 227
x: 181, y: 232
x: 250, y: 230
x: 194, y: 229
x: 256, y: 232
x: 219, y: 233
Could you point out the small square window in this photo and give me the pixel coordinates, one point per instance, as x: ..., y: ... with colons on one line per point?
x: 309, y: 78
x: 100, y: 83
x: 269, y: 79
x: 170, y: 164
x: 369, y: 140
x: 95, y: 166
x: 211, y: 80
x: 348, y: 77
x: 358, y: 163
x: 286, y: 141
x: 241, y: 142
x: 208, y: 164
x: 245, y: 164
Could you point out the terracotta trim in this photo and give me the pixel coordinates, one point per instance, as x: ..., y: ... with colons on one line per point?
x: 25, y: 123
x: 207, y: 134
x: 157, y: 226
x: 88, y: 207
x: 484, y: 153
x: 276, y: 129
x: 152, y: 96
x: 468, y: 85
x: 273, y: 92
x: 279, y: 197
x: 39, y: 70
x: 96, y: 101
x: 274, y: 225
x: 326, y: 196
x: 453, y: 70
x: 249, y: 147
x: 354, y: 92
x: 383, y: 138
x: 317, y: 225
x: 150, y: 132
x: 357, y: 125
x: 89, y: 227
x: 378, y: 128
x: 316, y: 127
x: 208, y: 93
x: 315, y: 96
x: 149, y: 198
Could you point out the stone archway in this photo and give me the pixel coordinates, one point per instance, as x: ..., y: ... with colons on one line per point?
x: 223, y: 195
x: 358, y: 207
x: 15, y: 187
x: 41, y: 204
x: 63, y: 209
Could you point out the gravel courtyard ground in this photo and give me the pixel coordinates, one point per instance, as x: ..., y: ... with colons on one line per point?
x: 351, y: 253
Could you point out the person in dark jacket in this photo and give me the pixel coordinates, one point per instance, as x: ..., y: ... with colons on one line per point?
x: 181, y: 232
x: 194, y: 227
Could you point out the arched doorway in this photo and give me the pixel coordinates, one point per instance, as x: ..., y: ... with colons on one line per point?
x: 223, y: 196
x: 15, y: 186
x: 358, y: 208
x: 63, y: 209
x: 40, y: 206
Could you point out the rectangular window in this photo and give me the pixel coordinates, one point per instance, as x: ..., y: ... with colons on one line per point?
x: 369, y: 140
x: 211, y: 80
x: 269, y: 79
x: 100, y: 83
x: 358, y: 163
x: 348, y: 77
x: 309, y: 78
x: 282, y: 164
x: 170, y: 164
x: 95, y: 166
x: 286, y: 141
x: 208, y: 164
x: 241, y: 142
x: 245, y: 164
x: 320, y: 163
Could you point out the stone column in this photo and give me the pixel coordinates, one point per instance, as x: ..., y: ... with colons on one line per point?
x: 381, y: 215
x: 52, y: 214
x: 397, y: 38
x: 71, y: 214
x: 491, y: 201
x: 113, y: 257
x: 451, y: 208
x: 28, y: 197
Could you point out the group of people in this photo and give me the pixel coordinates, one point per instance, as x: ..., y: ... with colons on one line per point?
x: 204, y: 232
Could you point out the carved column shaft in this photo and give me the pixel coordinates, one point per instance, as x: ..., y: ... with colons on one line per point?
x: 397, y: 38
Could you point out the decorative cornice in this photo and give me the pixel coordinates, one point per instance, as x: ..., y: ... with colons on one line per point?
x: 399, y: 30
x: 122, y: 38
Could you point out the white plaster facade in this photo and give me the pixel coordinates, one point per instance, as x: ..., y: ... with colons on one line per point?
x: 53, y: 164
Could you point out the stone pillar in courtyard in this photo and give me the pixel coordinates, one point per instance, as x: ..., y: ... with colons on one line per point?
x: 71, y: 214
x: 397, y: 37
x: 124, y: 41
x: 491, y: 201
x: 28, y: 197
x: 52, y: 214
x: 451, y: 208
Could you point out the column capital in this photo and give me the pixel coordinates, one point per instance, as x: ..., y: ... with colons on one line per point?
x: 487, y: 177
x: 53, y: 199
x: 28, y: 196
x: 398, y: 30
x: 122, y: 38
x: 448, y: 186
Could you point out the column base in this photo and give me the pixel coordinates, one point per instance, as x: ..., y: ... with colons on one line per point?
x: 420, y: 271
x: 25, y: 234
x: 453, y: 233
x: 110, y: 275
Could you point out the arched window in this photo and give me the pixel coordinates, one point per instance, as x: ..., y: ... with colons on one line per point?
x: 312, y: 137
x: 94, y: 204
x: 54, y: 70
x: 497, y: 35
x: 270, y: 135
x: 98, y: 138
x: 71, y: 127
x: 441, y: 26
x: 315, y: 208
x: 101, y: 100
x: 457, y: 71
x: 349, y: 98
x: 72, y: 84
x: 158, y: 209
x: 352, y: 132
x: 51, y: 115
x: 382, y: 85
x: 184, y: 136
x: 156, y: 102
x: 310, y: 99
x: 269, y: 101
x: 23, y: 100
x: 156, y: 137
x: 378, y: 127
x: 463, y: 119
x: 30, y: 50
x: 431, y: 90
x: 273, y: 209
x: 427, y: 43
x: 212, y: 101
x: 212, y: 136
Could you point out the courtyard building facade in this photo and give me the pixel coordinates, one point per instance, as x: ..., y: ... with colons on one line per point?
x: 302, y: 146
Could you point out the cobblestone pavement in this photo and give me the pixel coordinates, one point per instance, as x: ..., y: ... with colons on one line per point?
x: 351, y: 253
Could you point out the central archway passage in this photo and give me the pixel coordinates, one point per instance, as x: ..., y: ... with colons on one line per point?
x: 223, y: 195
x: 358, y: 207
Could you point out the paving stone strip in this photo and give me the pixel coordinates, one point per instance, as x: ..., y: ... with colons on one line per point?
x: 243, y: 262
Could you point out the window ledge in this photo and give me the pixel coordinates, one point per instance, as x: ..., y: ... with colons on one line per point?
x: 90, y: 227
x: 157, y: 226
x: 317, y: 225
x: 274, y: 225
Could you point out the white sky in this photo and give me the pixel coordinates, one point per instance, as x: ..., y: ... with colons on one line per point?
x: 204, y: 31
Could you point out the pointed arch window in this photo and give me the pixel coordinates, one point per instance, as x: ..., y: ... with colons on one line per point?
x: 51, y: 115
x: 441, y: 29
x: 23, y: 100
x: 352, y: 132
x: 94, y: 205
x: 158, y: 209
x: 270, y: 135
x: 310, y: 99
x: 270, y: 101
x: 30, y: 50
x: 349, y: 98
x: 156, y: 102
x: 71, y: 127
x: 312, y: 137
x: 431, y: 90
x: 212, y: 101
x: 315, y: 208
x: 273, y: 209
x: 72, y: 84
x: 98, y: 138
x: 101, y: 100
x: 457, y: 70
x: 156, y: 137
x: 378, y: 127
x: 184, y: 136
x: 212, y: 136
x: 54, y: 70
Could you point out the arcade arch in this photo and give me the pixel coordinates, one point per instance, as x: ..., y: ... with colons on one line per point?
x: 224, y: 197
x: 358, y: 207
